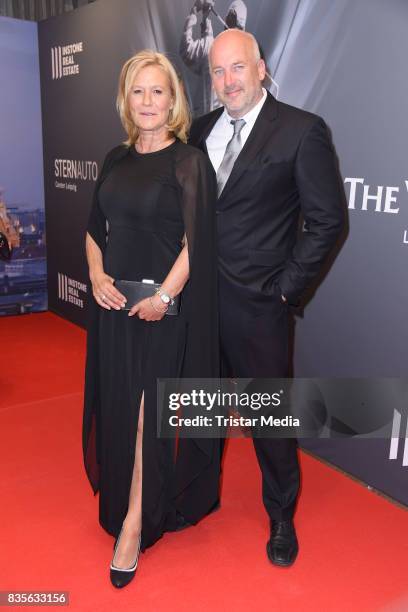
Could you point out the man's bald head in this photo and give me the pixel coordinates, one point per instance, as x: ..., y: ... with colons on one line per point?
x: 242, y: 37
x: 237, y: 71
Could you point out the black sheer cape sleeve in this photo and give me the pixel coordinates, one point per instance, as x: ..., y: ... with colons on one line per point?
x: 196, y: 178
x: 198, y: 460
x: 97, y: 229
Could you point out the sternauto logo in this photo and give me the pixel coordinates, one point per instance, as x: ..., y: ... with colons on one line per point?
x: 64, y: 60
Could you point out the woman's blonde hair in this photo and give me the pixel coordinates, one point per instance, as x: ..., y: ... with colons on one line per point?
x: 179, y: 116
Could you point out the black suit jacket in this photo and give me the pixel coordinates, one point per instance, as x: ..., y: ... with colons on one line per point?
x: 287, y: 167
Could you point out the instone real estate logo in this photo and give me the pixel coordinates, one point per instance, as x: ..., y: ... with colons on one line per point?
x: 64, y: 60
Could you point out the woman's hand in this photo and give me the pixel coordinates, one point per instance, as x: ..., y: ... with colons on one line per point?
x: 149, y: 309
x: 105, y: 293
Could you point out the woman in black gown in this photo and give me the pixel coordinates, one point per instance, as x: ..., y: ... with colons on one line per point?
x: 152, y: 217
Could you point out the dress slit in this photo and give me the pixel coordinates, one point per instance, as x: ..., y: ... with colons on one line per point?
x: 132, y: 484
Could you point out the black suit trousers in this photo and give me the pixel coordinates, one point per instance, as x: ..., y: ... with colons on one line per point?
x: 254, y: 343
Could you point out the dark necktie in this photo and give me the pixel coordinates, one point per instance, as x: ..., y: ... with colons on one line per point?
x: 231, y: 153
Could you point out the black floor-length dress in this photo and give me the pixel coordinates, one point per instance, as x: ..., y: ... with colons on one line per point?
x: 143, y: 206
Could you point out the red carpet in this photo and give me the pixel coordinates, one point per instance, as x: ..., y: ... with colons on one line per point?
x: 353, y: 543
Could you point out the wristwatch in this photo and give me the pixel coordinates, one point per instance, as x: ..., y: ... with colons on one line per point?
x: 165, y: 298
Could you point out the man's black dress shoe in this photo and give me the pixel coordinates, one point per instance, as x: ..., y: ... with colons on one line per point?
x: 282, y: 547
x: 121, y: 577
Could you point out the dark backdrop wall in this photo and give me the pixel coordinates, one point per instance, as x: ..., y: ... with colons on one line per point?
x: 343, y: 60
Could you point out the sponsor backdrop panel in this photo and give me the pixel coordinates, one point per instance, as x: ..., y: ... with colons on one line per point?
x: 321, y: 58
x: 355, y: 325
x: 23, y: 279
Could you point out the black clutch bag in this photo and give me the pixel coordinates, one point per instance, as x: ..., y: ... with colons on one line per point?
x: 134, y: 291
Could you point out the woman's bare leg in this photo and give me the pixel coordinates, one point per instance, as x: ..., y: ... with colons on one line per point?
x: 127, y: 549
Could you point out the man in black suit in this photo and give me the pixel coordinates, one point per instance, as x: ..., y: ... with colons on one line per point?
x: 274, y: 163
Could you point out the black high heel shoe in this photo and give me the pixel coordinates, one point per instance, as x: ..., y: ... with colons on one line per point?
x: 121, y: 577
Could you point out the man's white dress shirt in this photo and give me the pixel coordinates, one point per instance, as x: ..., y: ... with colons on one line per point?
x: 223, y: 131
